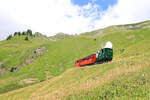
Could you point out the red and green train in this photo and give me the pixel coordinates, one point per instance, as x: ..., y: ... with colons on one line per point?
x: 101, y: 56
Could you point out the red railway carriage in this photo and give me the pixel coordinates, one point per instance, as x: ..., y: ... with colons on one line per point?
x: 86, y: 60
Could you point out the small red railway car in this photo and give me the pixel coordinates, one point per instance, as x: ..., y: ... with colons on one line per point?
x: 86, y: 60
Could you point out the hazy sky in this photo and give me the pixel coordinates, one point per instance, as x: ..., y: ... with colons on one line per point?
x: 69, y: 16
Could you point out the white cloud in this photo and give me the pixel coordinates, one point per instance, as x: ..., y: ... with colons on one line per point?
x: 50, y: 16
x: 124, y: 12
x: 8, y: 25
x: 53, y: 16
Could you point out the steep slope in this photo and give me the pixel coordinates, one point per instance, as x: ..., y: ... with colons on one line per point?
x: 131, y: 60
x: 59, y: 56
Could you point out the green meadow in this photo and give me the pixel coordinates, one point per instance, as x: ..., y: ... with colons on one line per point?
x: 51, y: 75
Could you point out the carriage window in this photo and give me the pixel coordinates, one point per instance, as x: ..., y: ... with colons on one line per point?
x: 87, y: 58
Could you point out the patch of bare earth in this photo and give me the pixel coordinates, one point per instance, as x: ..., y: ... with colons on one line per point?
x: 28, y: 81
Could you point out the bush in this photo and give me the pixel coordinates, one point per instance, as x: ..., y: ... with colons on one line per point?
x: 15, y: 33
x: 13, y: 69
x: 23, y: 33
x: 9, y: 37
x: 29, y: 32
x: 19, y: 33
x: 26, y: 38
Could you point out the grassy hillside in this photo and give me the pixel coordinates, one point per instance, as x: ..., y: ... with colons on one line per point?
x: 124, y: 78
x: 58, y: 56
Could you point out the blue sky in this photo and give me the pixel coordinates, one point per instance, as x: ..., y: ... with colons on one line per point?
x: 104, y: 4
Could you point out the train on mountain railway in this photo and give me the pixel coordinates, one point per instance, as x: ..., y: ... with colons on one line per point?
x: 103, y: 55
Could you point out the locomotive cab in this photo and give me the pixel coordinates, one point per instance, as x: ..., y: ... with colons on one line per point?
x: 105, y: 54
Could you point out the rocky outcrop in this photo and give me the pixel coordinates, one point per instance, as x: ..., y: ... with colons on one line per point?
x: 39, y: 51
x: 3, y: 71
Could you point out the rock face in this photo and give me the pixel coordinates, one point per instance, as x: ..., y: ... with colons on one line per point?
x: 3, y: 71
x: 39, y: 51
